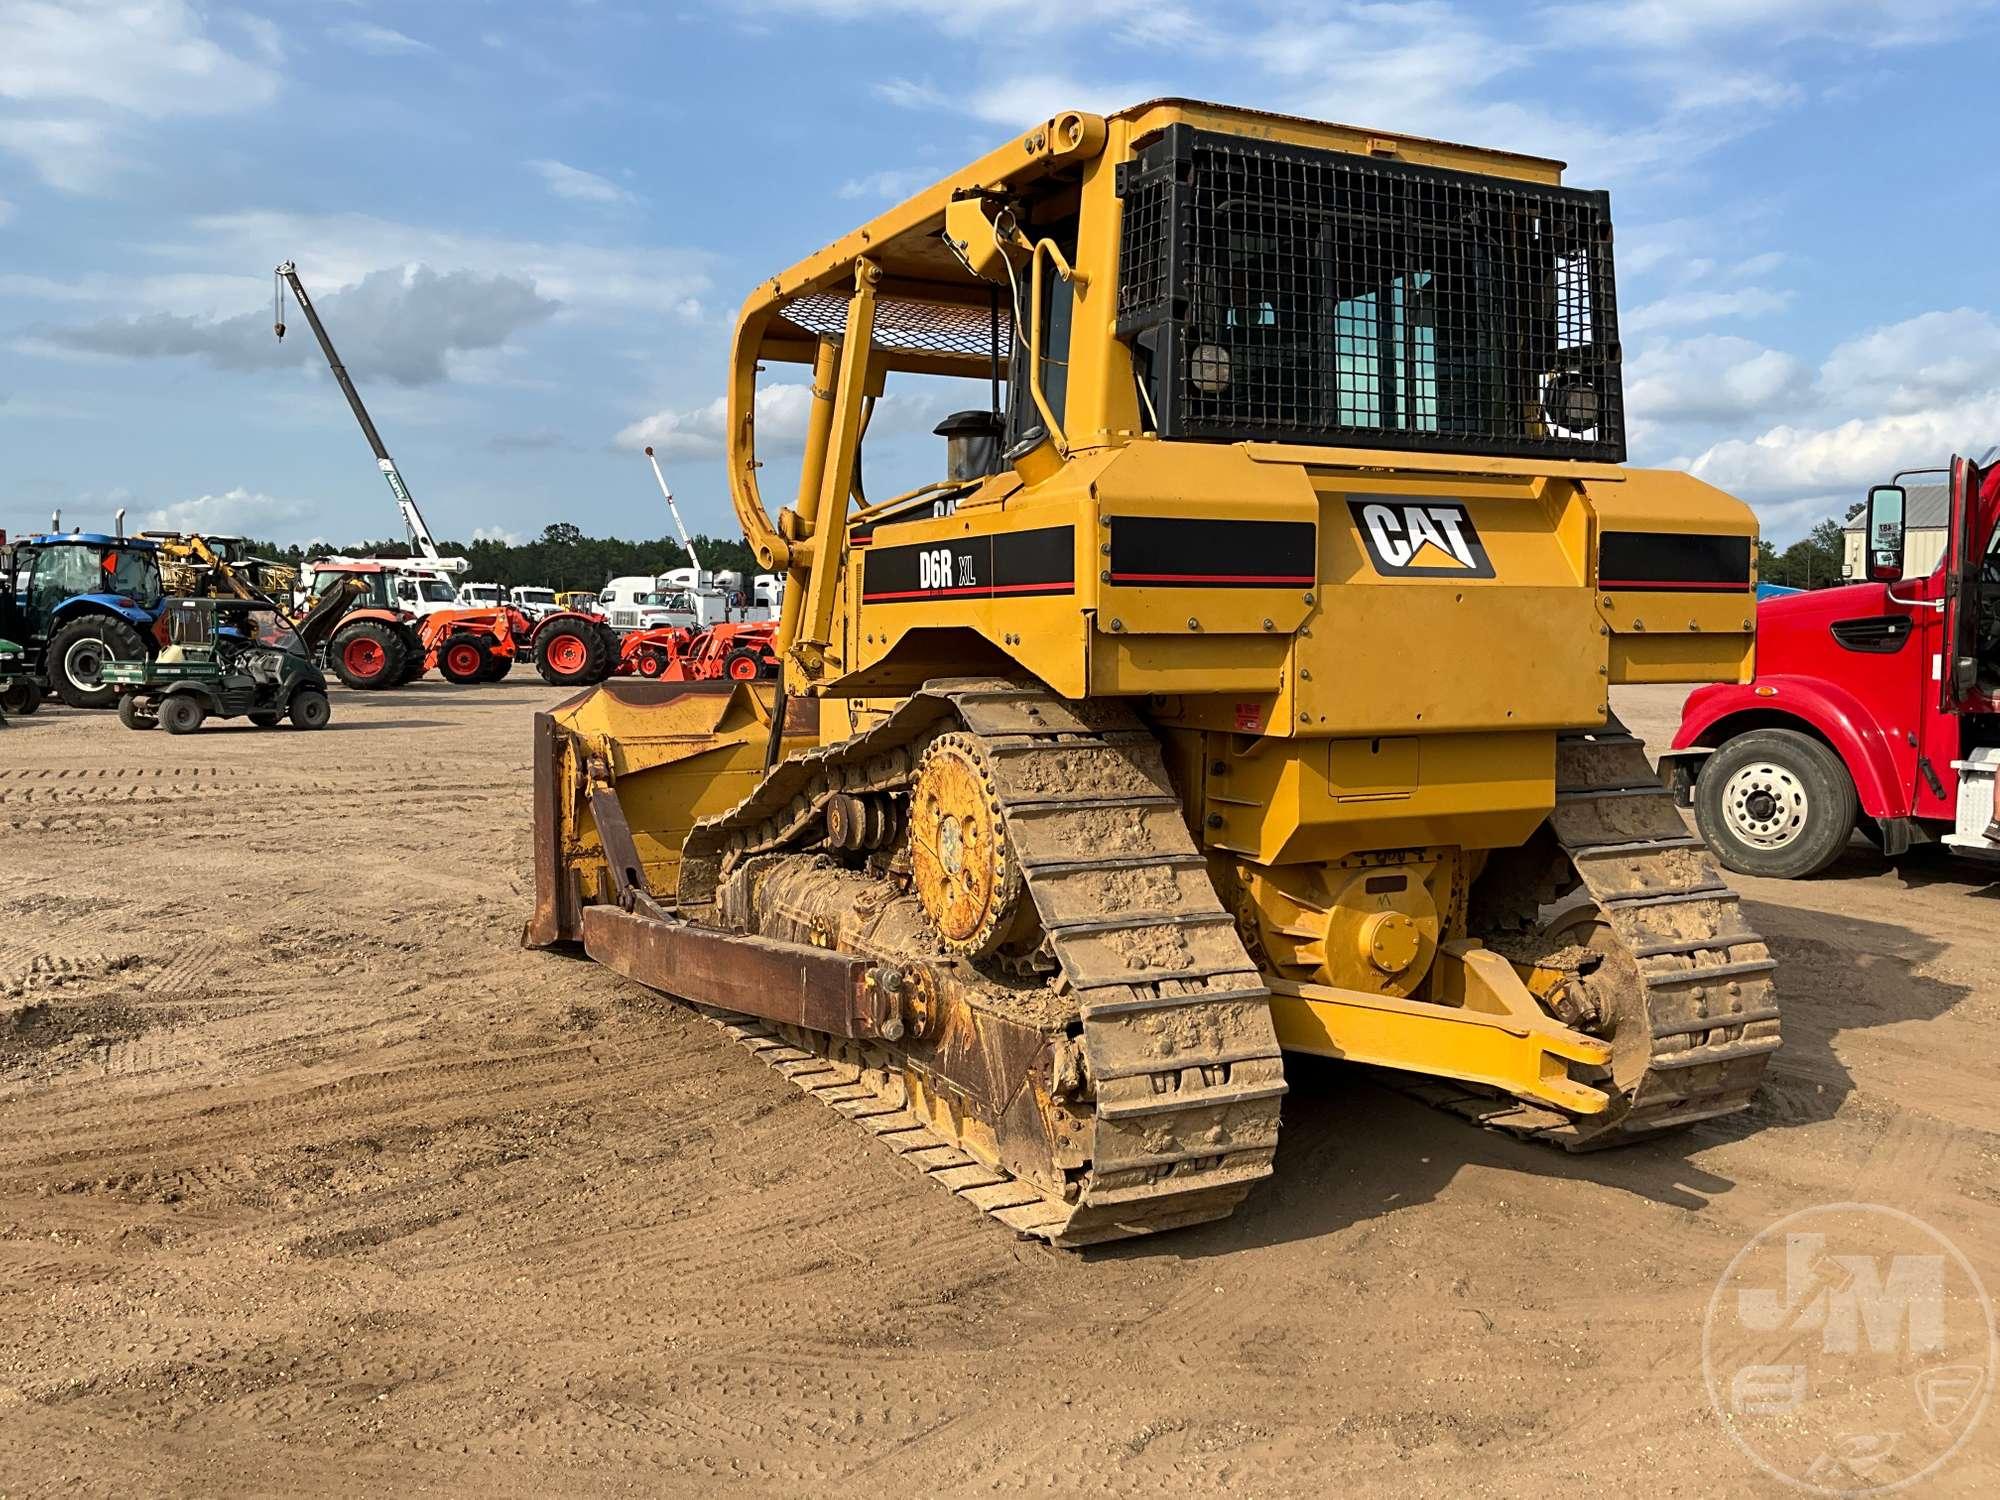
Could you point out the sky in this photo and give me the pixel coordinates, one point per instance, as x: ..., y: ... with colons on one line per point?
x: 529, y: 223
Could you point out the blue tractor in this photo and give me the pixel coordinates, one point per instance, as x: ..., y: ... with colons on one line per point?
x: 76, y: 600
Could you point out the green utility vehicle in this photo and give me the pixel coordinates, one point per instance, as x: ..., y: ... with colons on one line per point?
x: 224, y: 658
x: 19, y: 692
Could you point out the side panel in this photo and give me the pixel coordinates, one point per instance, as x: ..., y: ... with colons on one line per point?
x: 1675, y: 573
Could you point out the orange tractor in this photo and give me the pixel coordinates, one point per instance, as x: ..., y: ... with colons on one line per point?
x: 736, y: 651
x: 579, y: 651
x: 354, y: 623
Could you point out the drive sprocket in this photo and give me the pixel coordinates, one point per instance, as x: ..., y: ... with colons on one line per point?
x: 965, y: 873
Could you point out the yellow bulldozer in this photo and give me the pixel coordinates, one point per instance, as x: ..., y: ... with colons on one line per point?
x: 1239, y: 687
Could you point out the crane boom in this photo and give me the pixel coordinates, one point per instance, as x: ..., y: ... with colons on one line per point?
x: 679, y: 525
x: 421, y: 541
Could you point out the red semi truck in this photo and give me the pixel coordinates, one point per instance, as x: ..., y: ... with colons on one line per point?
x: 1876, y: 705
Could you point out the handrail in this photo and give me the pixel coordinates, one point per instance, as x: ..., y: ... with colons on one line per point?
x: 1033, y: 316
x: 1061, y: 142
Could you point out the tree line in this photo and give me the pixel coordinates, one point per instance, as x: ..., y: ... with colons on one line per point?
x: 561, y: 558
x: 1814, y: 561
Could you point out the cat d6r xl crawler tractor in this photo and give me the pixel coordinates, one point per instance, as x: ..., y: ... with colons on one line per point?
x: 1239, y: 688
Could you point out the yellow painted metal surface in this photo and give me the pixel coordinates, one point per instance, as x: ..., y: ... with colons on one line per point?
x: 672, y: 762
x: 1327, y: 730
x: 1526, y: 1055
x: 1283, y: 802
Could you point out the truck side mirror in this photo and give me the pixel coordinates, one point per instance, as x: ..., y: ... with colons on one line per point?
x: 1884, y: 537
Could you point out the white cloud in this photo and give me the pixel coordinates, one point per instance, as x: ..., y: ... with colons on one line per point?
x: 498, y: 534
x: 1693, y: 77
x: 1689, y: 23
x: 909, y: 94
x: 1721, y: 378
x: 605, y: 282
x: 701, y: 431
x: 6, y: 213
x: 566, y: 181
x: 782, y: 411
x: 239, y: 511
x: 149, y: 57
x: 74, y: 155
x: 1906, y: 395
x: 1683, y: 308
x: 894, y: 183
x: 378, y: 41
x: 397, y: 325
x: 984, y: 18
x: 1024, y: 99
x: 1919, y: 363
x: 82, y: 71
x: 1789, y: 462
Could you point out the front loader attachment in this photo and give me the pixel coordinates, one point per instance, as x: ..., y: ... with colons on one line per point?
x: 647, y: 759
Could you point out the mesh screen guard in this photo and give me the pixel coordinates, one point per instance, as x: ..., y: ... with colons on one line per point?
x: 1285, y: 294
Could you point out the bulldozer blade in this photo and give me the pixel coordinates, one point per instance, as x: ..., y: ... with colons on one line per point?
x: 674, y: 752
x: 836, y: 993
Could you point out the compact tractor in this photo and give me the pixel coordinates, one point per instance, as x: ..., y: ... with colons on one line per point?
x: 1238, y: 689
x: 578, y: 651
x: 77, y: 600
x: 224, y: 658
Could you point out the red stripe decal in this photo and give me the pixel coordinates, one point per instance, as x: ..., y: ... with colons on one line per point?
x: 981, y: 591
x: 1288, y: 579
x: 1671, y: 586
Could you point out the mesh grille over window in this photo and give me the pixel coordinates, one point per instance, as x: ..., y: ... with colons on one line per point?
x: 1285, y: 294
x: 908, y: 327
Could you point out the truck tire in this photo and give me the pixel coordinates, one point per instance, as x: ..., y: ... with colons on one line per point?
x: 21, y: 696
x: 78, y: 652
x: 309, y: 709
x: 571, y: 653
x: 1776, y: 803
x: 368, y: 656
x: 743, y: 665
x: 182, y: 713
x: 464, y: 659
x: 414, y: 653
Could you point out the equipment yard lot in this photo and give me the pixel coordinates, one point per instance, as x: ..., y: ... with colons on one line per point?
x: 312, y: 1178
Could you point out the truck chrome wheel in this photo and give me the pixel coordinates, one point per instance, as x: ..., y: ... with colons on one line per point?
x: 1765, y: 804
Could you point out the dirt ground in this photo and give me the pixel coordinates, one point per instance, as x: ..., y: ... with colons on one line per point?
x: 312, y: 1180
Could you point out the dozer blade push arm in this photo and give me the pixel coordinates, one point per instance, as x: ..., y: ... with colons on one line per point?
x: 843, y: 446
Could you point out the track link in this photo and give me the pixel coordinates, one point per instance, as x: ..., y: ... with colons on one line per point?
x: 1697, y: 1021
x: 1182, y: 1065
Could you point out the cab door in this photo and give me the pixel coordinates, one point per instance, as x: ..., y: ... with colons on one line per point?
x: 1964, y: 559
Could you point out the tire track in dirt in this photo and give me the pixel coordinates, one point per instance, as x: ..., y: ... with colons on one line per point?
x: 369, y: 1199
